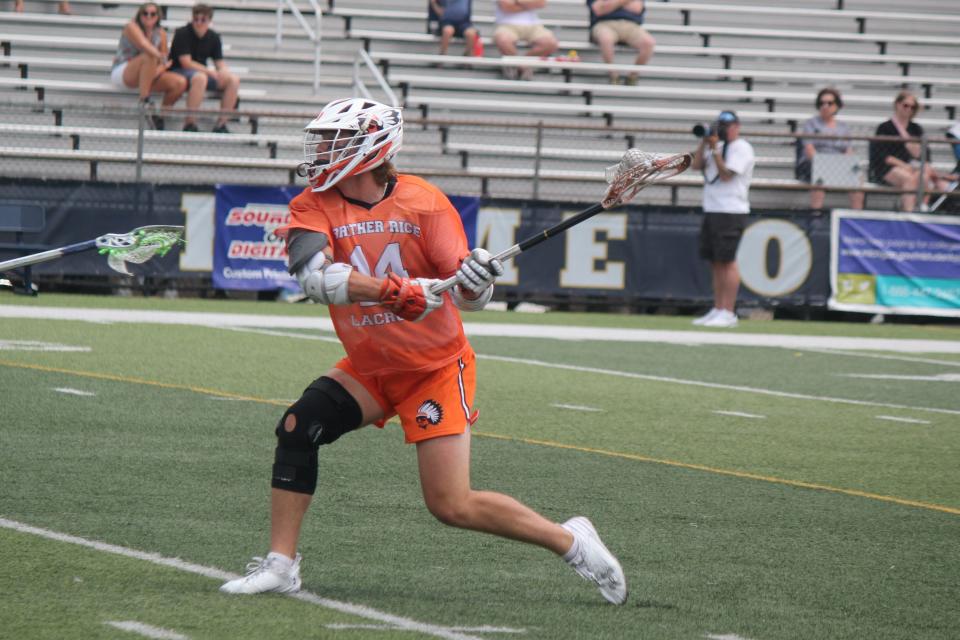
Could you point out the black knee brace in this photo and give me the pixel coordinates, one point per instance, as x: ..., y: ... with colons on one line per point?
x: 323, y: 413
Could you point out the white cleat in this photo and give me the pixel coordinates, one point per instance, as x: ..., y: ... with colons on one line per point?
x: 593, y: 561
x: 708, y: 316
x: 273, y: 574
x: 723, y: 320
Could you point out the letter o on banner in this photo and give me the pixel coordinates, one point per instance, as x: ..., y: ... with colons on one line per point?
x: 795, y: 252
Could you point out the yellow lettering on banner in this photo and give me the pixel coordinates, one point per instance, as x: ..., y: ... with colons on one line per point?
x: 583, y: 250
x: 496, y: 231
x: 796, y: 258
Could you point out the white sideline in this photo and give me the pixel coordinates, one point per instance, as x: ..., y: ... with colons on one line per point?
x: 505, y: 330
x: 740, y: 414
x: 716, y: 385
x: 907, y: 420
x: 147, y: 630
x: 640, y: 376
x: 35, y: 345
x: 219, y: 574
x: 74, y: 392
x: 576, y: 407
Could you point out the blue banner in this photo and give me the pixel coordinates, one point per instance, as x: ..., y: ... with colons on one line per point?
x: 895, y: 263
x: 248, y: 254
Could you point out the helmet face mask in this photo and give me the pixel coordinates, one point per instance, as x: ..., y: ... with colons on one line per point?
x: 348, y: 138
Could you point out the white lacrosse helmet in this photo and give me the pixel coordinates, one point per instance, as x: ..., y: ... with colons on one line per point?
x: 350, y: 136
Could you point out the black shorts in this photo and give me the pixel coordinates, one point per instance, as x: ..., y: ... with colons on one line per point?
x: 720, y: 236
x: 458, y: 27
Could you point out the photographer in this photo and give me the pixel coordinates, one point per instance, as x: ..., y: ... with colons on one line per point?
x: 726, y: 161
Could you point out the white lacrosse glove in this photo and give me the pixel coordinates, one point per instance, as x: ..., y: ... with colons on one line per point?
x: 478, y: 271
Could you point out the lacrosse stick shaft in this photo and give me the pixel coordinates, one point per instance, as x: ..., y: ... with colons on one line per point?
x: 47, y: 256
x: 532, y: 241
x: 635, y: 171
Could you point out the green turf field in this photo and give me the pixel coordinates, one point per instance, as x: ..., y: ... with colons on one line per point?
x: 756, y: 493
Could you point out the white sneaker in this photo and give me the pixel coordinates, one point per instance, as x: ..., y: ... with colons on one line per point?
x: 723, y: 319
x: 593, y: 561
x: 702, y: 320
x: 274, y: 573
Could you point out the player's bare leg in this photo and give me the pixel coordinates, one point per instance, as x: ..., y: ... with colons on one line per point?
x: 288, y: 508
x: 280, y: 570
x: 445, y: 480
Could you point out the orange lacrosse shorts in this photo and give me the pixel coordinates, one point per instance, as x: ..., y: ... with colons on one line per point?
x: 431, y: 404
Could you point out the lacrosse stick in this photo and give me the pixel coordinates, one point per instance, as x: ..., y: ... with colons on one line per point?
x: 636, y: 170
x: 137, y: 247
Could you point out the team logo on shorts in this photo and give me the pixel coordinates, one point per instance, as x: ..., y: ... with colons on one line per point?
x: 429, y: 413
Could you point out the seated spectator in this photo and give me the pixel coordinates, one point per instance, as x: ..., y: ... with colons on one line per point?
x: 141, y: 60
x: 828, y: 103
x: 613, y: 21
x: 896, y: 163
x: 194, y: 44
x: 62, y: 7
x: 454, y: 18
x: 517, y: 21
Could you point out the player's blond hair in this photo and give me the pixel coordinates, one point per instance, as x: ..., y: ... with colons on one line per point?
x: 384, y: 173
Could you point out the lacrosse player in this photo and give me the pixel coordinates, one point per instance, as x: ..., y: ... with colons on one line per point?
x: 370, y: 244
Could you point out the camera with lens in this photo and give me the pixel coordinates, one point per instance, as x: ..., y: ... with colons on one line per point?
x: 704, y: 129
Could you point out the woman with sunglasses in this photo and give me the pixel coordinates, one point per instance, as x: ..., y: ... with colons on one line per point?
x: 141, y: 61
x: 825, y: 123
x: 896, y: 163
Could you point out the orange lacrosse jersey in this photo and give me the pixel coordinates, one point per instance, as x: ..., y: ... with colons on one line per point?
x: 414, y: 232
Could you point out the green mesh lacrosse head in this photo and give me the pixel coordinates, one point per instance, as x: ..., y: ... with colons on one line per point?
x: 139, y: 245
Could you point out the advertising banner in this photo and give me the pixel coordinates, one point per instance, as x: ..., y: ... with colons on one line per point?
x: 631, y: 254
x: 248, y: 254
x: 895, y: 263
x: 651, y: 253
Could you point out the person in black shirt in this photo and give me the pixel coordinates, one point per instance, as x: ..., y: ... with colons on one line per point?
x: 896, y: 163
x: 193, y: 45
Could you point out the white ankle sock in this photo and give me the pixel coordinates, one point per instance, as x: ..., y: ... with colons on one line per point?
x: 283, y: 561
x: 574, y: 549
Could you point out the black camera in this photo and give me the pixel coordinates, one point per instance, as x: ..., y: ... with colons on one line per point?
x: 703, y: 130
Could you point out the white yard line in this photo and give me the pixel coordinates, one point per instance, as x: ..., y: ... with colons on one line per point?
x: 715, y: 385
x: 726, y: 636
x: 222, y: 320
x: 505, y: 330
x: 907, y: 420
x: 740, y: 414
x: 74, y: 392
x: 146, y: 630
x: 34, y: 345
x: 878, y: 356
x: 575, y: 407
x: 285, y: 334
x: 939, y: 377
x: 383, y: 627
x: 358, y: 610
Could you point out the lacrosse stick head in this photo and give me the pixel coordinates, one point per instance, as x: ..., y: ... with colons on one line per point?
x: 139, y: 245
x: 637, y: 169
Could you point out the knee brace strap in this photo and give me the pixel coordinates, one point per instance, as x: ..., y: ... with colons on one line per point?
x: 323, y: 413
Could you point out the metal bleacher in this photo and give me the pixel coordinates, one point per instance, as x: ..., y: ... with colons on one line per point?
x: 470, y: 130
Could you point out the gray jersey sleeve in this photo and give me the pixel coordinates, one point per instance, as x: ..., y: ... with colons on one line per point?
x: 302, y: 246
